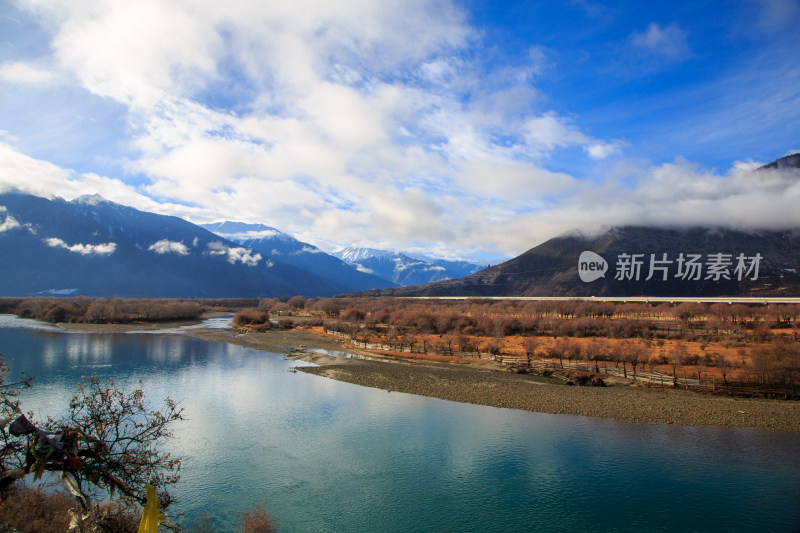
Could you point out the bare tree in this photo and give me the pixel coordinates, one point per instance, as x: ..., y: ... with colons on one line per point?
x: 676, y: 356
x: 618, y: 355
x: 652, y: 362
x: 557, y: 350
x: 571, y: 349
x: 635, y: 354
x: 450, y: 340
x: 725, y: 367
x: 596, y: 350
x: 530, y: 344
x: 108, y: 444
x: 297, y: 302
x: 764, y: 361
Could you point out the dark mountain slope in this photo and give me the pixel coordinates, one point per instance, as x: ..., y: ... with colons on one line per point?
x: 551, y: 269
x: 790, y: 161
x: 94, y: 247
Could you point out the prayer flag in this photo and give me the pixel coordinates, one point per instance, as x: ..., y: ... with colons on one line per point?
x: 151, y: 516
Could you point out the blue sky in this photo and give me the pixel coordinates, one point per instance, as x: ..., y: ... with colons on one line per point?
x: 472, y: 129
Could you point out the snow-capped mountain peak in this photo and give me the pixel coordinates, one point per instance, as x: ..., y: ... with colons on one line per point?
x: 354, y: 254
x: 243, y: 231
x: 277, y: 245
x: 402, y: 269
x: 90, y: 199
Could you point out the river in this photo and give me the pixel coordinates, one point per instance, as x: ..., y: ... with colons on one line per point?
x: 331, y: 456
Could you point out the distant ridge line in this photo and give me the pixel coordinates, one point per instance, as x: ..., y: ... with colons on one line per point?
x: 641, y: 299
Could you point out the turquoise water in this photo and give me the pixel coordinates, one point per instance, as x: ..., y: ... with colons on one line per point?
x: 330, y: 456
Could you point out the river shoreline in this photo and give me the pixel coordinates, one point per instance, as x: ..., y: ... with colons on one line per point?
x: 488, y: 384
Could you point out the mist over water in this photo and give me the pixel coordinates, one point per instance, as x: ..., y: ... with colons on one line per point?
x: 331, y: 456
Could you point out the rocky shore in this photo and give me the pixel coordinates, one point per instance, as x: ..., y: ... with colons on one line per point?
x: 489, y: 385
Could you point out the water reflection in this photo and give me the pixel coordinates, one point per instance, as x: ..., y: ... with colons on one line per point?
x: 330, y: 456
x: 88, y: 349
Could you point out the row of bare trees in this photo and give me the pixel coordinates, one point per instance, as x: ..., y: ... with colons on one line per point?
x: 470, y: 329
x: 777, y: 315
x: 503, y: 318
x: 777, y: 362
x: 103, y: 310
x: 564, y: 318
x: 772, y: 364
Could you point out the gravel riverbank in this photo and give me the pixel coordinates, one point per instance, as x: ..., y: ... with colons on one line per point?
x: 622, y: 402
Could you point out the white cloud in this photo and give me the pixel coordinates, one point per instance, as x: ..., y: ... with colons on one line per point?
x: 334, y: 125
x: 513, y: 181
x: 677, y: 194
x: 244, y: 256
x: 549, y: 131
x: 9, y: 222
x: 165, y: 246
x: 308, y: 250
x: 83, y: 249
x: 669, y: 42
x: 135, y: 52
x: 602, y: 150
x: 21, y: 172
x: 255, y: 235
x: 32, y: 175
x: 357, y: 120
x: 539, y: 60
x: 440, y: 71
x: 18, y: 72
x: 334, y: 122
x: 217, y: 248
x: 235, y: 254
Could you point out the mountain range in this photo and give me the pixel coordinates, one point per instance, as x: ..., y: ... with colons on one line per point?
x: 283, y: 248
x: 95, y: 247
